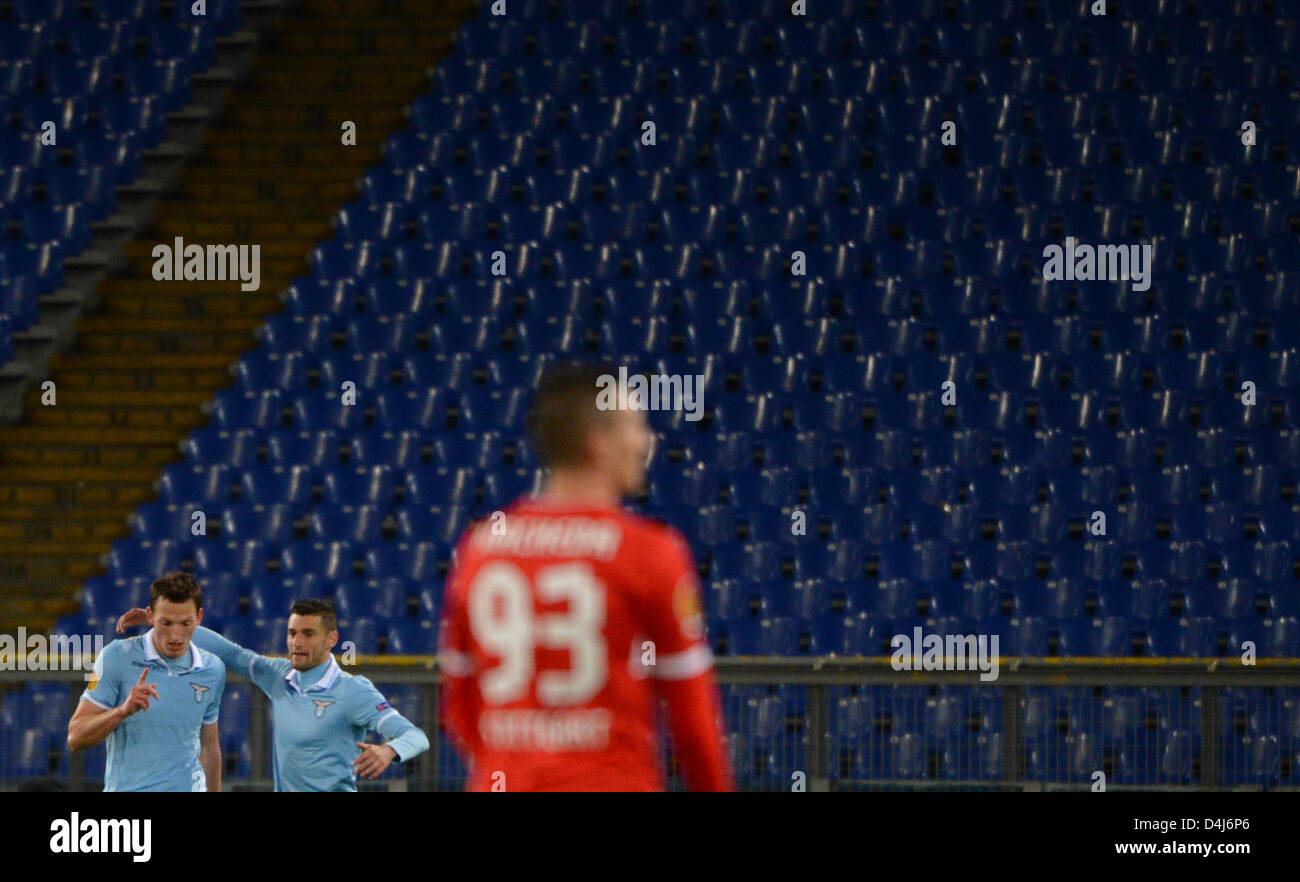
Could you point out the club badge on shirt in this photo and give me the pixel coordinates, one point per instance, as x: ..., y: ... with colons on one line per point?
x: 200, y: 691
x: 686, y: 606
x: 320, y: 706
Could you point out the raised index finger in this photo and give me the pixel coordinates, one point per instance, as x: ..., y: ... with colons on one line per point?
x: 143, y: 674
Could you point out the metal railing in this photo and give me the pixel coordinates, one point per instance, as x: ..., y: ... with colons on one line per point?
x: 838, y: 723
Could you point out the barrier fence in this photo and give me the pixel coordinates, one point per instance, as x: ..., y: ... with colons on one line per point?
x: 833, y: 724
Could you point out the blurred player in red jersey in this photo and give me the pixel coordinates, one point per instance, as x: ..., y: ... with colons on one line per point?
x: 565, y: 615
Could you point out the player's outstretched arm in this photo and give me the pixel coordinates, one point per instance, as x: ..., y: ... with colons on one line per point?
x: 94, y: 721
x: 261, y: 669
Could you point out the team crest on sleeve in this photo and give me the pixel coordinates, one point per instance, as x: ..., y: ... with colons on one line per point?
x: 686, y: 606
x: 97, y: 672
x: 382, y: 706
x: 200, y: 691
x: 321, y: 704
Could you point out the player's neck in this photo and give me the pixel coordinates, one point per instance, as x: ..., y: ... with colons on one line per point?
x: 310, y: 676
x: 578, y: 489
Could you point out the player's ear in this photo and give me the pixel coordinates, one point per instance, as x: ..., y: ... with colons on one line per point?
x: 334, y: 640
x: 198, y: 620
x: 149, y: 611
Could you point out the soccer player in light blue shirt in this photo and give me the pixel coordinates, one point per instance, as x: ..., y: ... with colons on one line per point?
x: 319, y: 712
x: 155, y: 698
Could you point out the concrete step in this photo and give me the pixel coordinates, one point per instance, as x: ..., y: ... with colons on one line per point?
x: 38, y: 615
x: 179, y: 360
x: 81, y: 475
x: 130, y: 343
x: 233, y: 231
x: 162, y: 379
x: 25, y: 435
x: 273, y: 254
x: 360, y: 47
x: 74, y: 496
x: 198, y: 291
x: 343, y: 82
x: 110, y: 325
x: 360, y: 20
x: 47, y: 575
x: 113, y: 417
x: 99, y: 514
x: 52, y: 550
x: 211, y: 305
x: 96, y: 533
x: 149, y: 353
x: 132, y: 399
x: 253, y: 211
x: 461, y: 9
x: 142, y: 324
x: 324, y: 194
x: 62, y: 456
x: 294, y: 162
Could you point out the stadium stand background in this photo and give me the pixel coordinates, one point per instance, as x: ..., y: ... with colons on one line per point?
x: 823, y: 393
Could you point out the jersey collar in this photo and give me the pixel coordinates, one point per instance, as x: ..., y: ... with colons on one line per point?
x: 151, y: 652
x: 326, y: 680
x: 536, y: 503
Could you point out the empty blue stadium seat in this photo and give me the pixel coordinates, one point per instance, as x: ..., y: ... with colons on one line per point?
x: 822, y: 392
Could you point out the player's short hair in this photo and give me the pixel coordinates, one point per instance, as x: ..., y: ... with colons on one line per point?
x: 317, y: 606
x: 176, y: 587
x: 564, y: 410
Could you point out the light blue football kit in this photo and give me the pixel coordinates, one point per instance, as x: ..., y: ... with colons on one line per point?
x: 157, y: 748
x: 318, y: 716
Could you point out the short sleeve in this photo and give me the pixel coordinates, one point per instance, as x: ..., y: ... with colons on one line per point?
x: 365, y: 705
x: 672, y: 611
x: 105, y: 689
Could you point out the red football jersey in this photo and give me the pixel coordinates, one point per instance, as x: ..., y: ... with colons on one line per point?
x: 559, y: 627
